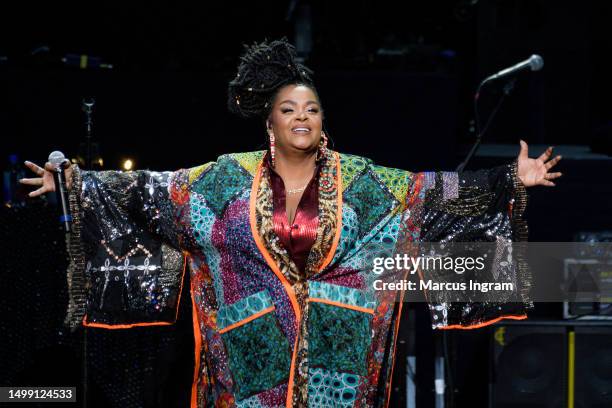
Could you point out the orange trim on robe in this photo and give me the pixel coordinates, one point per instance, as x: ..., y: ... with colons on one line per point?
x: 340, y: 304
x: 270, y: 261
x: 332, y: 250
x: 483, y: 324
x: 248, y: 319
x: 197, y: 335
x: 275, y: 269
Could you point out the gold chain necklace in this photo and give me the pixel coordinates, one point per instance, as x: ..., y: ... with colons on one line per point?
x: 297, y: 190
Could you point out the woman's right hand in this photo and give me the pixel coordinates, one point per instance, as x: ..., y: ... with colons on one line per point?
x: 45, y: 178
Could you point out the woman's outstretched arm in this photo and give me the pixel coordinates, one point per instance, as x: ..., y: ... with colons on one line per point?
x: 485, y: 206
x: 125, y: 250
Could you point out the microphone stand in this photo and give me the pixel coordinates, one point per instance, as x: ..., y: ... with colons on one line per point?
x: 441, y: 365
x: 508, y: 87
x: 87, y: 107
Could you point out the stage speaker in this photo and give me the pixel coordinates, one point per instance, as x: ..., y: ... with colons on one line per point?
x: 590, y: 354
x: 528, y: 367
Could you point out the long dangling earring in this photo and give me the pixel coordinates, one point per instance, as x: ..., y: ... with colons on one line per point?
x: 323, y: 145
x: 272, y: 148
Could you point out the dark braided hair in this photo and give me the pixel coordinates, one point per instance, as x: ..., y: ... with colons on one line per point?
x: 265, y: 68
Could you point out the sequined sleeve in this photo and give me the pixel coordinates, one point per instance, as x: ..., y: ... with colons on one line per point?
x: 476, y: 206
x: 126, y: 264
x: 124, y: 203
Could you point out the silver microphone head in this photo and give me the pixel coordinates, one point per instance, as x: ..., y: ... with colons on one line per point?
x: 536, y: 62
x: 57, y: 158
x: 87, y: 104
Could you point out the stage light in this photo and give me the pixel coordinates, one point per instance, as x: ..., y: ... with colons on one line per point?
x: 127, y: 165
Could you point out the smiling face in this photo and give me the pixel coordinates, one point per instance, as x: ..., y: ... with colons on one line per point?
x: 296, y: 119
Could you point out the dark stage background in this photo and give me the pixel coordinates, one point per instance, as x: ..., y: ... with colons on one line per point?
x: 396, y: 81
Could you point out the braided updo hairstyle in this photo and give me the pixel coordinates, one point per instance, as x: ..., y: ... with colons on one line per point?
x: 264, y: 69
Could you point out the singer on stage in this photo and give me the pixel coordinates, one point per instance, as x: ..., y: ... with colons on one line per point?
x: 279, y: 245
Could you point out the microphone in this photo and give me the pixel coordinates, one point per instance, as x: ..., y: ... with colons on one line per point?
x: 60, y: 162
x: 87, y: 104
x: 534, y: 63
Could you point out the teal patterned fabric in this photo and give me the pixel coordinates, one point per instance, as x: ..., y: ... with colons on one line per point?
x: 339, y: 338
x: 352, y: 167
x: 327, y: 389
x: 342, y: 294
x: 349, y: 233
x: 396, y: 180
x: 243, y: 308
x: 202, y: 219
x: 371, y: 200
x: 372, y: 244
x: 219, y: 194
x: 259, y: 356
x: 251, y: 402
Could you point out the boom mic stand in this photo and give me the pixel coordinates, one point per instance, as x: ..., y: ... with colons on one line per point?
x: 87, y: 107
x: 507, y: 90
x: 442, y: 365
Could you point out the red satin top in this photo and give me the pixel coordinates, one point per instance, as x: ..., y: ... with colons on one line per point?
x: 298, y: 237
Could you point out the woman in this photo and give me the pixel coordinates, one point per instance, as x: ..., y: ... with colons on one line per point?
x: 280, y: 246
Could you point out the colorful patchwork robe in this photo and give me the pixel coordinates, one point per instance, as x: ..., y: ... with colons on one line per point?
x: 266, y: 334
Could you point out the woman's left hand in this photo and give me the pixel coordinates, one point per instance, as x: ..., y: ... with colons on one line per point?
x: 535, y: 172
